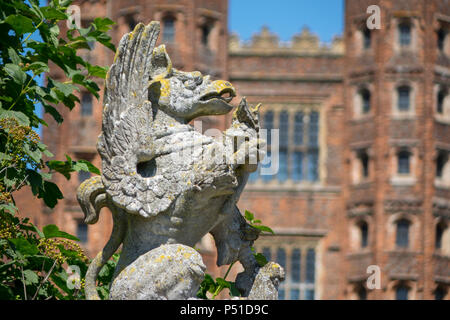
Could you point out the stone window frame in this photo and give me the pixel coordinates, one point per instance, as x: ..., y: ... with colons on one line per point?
x: 403, y: 285
x: 358, y: 176
x: 411, y: 112
x: 304, y: 244
x: 404, y: 179
x: 212, y: 23
x: 358, y: 101
x: 395, y: 283
x: 414, y: 28
x: 359, y: 40
x: 292, y: 109
x: 414, y: 235
x: 168, y: 16
x: 402, y: 239
x: 84, y: 237
x: 355, y: 234
x: 84, y: 111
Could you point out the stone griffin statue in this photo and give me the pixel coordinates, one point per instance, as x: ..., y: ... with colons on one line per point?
x: 158, y: 193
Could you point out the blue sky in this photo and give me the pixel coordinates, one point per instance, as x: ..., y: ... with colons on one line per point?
x: 286, y: 17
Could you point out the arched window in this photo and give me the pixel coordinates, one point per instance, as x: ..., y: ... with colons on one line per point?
x: 440, y: 101
x: 364, y: 163
x: 82, y: 231
x: 205, y: 32
x: 441, y: 160
x: 440, y: 228
x: 441, y: 34
x: 440, y: 293
x: 86, y: 104
x: 367, y: 38
x: 404, y: 98
x: 361, y: 292
x: 403, y: 162
x: 365, y: 100
x: 401, y: 292
x: 404, y: 31
x: 402, y: 233
x: 131, y: 22
x: 364, y: 232
x: 168, y: 29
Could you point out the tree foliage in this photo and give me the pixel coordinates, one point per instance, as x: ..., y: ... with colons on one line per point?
x: 32, y: 263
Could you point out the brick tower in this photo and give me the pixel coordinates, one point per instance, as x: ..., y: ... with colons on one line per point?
x: 397, y: 115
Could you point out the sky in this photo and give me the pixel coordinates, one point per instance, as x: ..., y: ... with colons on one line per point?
x: 286, y: 17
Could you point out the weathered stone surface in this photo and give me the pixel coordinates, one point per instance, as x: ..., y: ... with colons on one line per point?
x: 266, y: 283
x: 161, y: 179
x: 169, y: 272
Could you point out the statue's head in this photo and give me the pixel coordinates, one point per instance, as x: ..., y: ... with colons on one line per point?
x: 186, y: 95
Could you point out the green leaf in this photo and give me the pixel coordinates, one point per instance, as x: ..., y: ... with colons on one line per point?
x: 24, y: 246
x: 19, y: 116
x: 30, y: 277
x: 260, y: 259
x: 16, y: 73
x: 53, y: 13
x: 5, y: 157
x: 52, y: 231
x: 103, y: 24
x: 88, y: 166
x: 35, y: 155
x: 38, y: 67
x: 53, y: 112
x: 234, y: 292
x: 97, y: 71
x: 51, y: 194
x: 264, y: 229
x: 223, y: 283
x: 39, y: 232
x: 10, y: 207
x: 65, y: 88
x: 14, y: 56
x: 249, y: 216
x: 20, y: 23
x: 5, y: 292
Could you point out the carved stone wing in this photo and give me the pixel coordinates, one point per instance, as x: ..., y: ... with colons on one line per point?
x: 127, y: 115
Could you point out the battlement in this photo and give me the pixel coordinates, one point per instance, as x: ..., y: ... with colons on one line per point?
x: 268, y: 43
